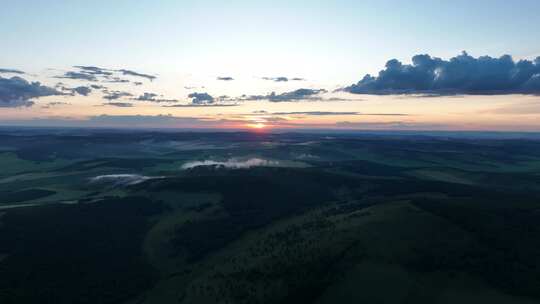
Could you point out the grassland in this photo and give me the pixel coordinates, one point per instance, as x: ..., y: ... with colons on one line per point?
x: 343, y: 219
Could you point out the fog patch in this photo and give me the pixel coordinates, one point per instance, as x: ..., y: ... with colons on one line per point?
x: 118, y: 180
x: 234, y: 163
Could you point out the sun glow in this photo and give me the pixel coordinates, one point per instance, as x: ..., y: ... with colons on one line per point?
x: 258, y: 126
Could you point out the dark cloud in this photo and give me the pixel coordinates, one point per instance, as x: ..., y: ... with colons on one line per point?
x: 300, y: 94
x: 82, y: 90
x: 11, y: 71
x: 119, y: 104
x: 226, y: 78
x: 94, y: 70
x: 116, y: 95
x: 147, y: 97
x: 462, y: 74
x: 93, y: 73
x: 201, y: 98
x: 136, y: 74
x: 17, y: 92
x: 151, y: 97
x: 78, y: 76
x: 97, y: 87
x: 137, y: 83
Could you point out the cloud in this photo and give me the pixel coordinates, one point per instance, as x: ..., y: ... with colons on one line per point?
x: 277, y: 79
x: 116, y: 80
x: 58, y: 103
x: 17, y: 92
x: 142, y: 120
x: 94, y: 70
x: 82, y: 90
x: 388, y: 125
x: 78, y: 76
x: 527, y: 108
x: 98, y: 87
x: 202, y: 105
x: 55, y: 103
x: 136, y: 74
x: 316, y: 113
x: 207, y: 100
x: 152, y: 98
x: 462, y: 74
x: 118, y: 104
x: 116, y: 95
x: 121, y: 121
x: 283, y: 79
x: 232, y: 163
x: 226, y: 78
x: 203, y: 123
x: 93, y: 73
x: 11, y: 71
x: 201, y: 98
x: 300, y: 94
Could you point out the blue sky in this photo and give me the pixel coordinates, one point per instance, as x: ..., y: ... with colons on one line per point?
x: 344, y: 39
x: 189, y: 43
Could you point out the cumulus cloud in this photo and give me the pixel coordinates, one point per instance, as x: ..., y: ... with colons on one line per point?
x: 137, y: 74
x: 296, y: 95
x: 11, y: 71
x: 232, y: 163
x: 17, y: 92
x: 121, y: 180
x: 225, y: 78
x: 201, y: 98
x: 151, y: 97
x: 462, y: 74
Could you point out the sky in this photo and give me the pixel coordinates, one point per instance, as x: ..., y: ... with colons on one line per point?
x: 433, y: 65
